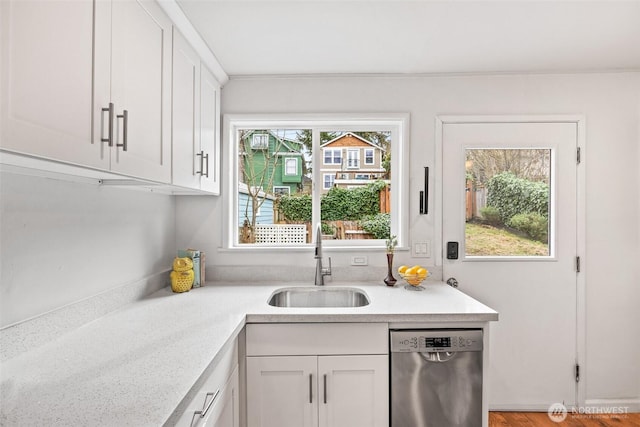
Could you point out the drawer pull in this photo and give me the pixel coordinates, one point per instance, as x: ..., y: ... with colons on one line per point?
x: 310, y: 388
x: 206, y: 406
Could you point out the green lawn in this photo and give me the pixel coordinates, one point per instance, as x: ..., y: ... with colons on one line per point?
x: 482, y: 239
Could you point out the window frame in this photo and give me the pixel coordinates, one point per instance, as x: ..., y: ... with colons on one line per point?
x: 331, y: 180
x: 295, y: 166
x: 373, y: 156
x: 353, y: 155
x: 332, y: 157
x: 260, y: 146
x: 396, y: 123
x: 281, y: 187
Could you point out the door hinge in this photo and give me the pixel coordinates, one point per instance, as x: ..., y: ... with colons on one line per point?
x: 577, y: 264
x: 578, y: 155
x: 577, y: 372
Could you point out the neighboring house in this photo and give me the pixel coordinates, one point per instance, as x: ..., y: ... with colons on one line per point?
x: 350, y: 161
x: 264, y: 148
x: 245, y: 204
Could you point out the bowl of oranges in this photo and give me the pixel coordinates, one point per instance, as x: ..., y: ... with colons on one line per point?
x: 413, y: 276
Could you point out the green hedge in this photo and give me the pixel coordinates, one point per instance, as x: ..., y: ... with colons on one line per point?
x: 338, y: 204
x: 532, y: 224
x: 511, y: 196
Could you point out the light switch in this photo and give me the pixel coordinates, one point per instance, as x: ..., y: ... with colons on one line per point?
x: 421, y: 249
x: 359, y: 260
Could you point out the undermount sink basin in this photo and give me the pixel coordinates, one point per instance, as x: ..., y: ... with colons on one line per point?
x: 316, y: 296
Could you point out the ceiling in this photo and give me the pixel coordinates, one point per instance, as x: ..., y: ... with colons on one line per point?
x: 303, y: 37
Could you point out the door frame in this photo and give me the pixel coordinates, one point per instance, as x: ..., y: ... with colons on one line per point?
x: 580, y: 122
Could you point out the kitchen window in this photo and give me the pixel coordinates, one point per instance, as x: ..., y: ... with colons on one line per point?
x: 295, y: 175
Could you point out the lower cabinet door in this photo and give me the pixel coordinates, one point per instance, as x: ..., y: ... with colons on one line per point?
x: 282, y: 391
x: 354, y: 391
x: 318, y: 391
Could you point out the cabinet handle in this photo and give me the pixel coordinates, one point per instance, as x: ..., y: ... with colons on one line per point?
x: 201, y: 155
x: 325, y: 388
x: 206, y: 158
x: 310, y: 388
x: 109, y: 138
x: 125, y: 125
x: 206, y: 406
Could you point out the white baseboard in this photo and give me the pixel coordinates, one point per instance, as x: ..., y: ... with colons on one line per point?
x: 603, y: 405
x: 631, y: 405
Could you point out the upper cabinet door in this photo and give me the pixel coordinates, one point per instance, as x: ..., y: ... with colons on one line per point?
x: 46, y: 83
x: 188, y: 161
x: 210, y: 130
x: 141, y: 89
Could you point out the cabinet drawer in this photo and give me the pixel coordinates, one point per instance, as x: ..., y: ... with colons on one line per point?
x: 210, y: 385
x: 278, y: 339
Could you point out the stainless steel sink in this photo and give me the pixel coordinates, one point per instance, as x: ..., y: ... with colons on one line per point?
x: 316, y: 296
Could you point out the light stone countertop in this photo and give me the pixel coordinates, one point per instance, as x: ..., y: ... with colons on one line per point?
x: 135, y: 365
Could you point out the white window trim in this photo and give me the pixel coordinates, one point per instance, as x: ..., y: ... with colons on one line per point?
x: 397, y: 123
x: 324, y: 181
x: 295, y: 160
x: 373, y: 156
x: 332, y: 151
x: 282, y: 187
x: 356, y: 158
x: 259, y: 146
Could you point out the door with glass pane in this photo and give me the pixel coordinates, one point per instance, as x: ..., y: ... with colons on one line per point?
x: 510, y: 204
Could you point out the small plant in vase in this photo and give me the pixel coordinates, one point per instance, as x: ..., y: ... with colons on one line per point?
x: 391, y: 243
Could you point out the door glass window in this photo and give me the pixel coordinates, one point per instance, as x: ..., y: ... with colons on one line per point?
x: 508, y: 202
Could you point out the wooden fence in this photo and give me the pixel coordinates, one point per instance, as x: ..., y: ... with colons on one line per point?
x: 476, y: 199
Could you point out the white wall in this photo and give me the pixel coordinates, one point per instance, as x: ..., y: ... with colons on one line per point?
x: 611, y: 104
x: 63, y: 242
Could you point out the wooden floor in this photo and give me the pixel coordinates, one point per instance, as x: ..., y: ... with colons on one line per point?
x: 541, y: 419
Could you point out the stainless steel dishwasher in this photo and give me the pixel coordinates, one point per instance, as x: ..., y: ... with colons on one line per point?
x: 436, y: 378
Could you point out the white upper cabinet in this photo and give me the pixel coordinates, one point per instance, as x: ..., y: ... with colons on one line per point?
x: 58, y: 56
x: 46, y: 81
x: 188, y: 163
x: 210, y: 130
x: 137, y: 39
x: 195, y: 132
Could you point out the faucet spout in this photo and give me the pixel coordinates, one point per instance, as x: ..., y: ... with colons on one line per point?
x: 320, y: 271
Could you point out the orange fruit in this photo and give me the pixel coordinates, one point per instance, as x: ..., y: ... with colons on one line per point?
x: 422, y: 272
x: 402, y: 269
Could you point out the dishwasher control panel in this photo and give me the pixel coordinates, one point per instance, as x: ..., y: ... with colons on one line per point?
x: 431, y: 340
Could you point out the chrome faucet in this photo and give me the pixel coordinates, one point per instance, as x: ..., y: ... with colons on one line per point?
x: 320, y: 272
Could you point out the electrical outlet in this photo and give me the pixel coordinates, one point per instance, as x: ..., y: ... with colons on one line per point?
x: 359, y: 260
x: 421, y: 249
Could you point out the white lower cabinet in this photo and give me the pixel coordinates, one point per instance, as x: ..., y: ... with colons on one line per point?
x: 216, y: 403
x: 325, y: 389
